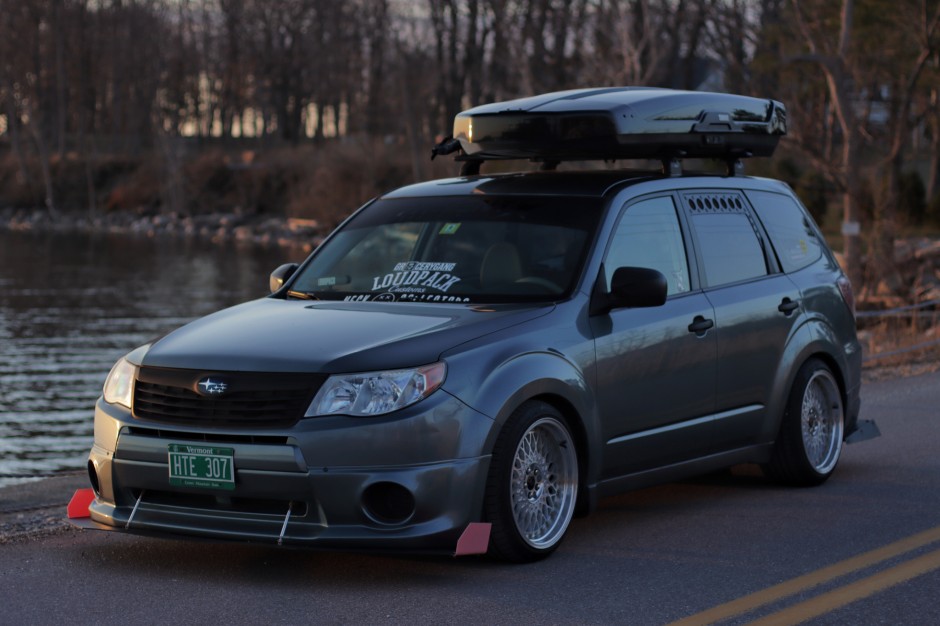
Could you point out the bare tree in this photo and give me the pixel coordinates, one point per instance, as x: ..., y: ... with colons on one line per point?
x: 833, y: 60
x: 858, y: 78
x: 903, y: 80
x: 9, y: 53
x: 651, y: 42
x: 734, y: 33
x: 461, y: 30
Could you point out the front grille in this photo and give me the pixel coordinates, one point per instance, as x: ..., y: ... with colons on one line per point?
x: 251, y: 398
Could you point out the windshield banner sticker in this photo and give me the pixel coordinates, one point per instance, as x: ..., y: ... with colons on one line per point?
x: 422, y: 267
x: 430, y: 297
x: 406, y: 297
x: 417, y: 277
x: 332, y: 281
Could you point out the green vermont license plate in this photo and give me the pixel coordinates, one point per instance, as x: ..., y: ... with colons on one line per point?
x: 201, y: 466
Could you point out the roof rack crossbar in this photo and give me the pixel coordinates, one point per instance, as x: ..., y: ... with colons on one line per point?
x: 672, y: 167
x: 470, y: 167
x: 735, y: 166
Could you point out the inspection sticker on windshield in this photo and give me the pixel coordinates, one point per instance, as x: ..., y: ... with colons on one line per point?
x: 201, y: 466
x: 449, y: 229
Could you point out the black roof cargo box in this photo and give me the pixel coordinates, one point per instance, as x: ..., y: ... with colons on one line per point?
x: 621, y: 123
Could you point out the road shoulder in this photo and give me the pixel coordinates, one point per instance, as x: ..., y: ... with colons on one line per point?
x: 37, y: 508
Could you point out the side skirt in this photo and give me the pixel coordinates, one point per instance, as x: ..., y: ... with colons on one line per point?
x: 678, y: 471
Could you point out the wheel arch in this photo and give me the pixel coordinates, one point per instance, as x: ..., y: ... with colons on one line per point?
x: 548, y: 376
x: 812, y: 340
x: 578, y: 431
x: 835, y: 368
x: 809, y: 444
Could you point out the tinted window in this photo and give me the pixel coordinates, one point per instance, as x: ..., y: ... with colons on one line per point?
x: 455, y: 249
x: 791, y: 232
x: 729, y: 247
x: 648, y: 235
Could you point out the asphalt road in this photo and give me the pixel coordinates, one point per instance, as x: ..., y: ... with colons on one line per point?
x: 862, y: 549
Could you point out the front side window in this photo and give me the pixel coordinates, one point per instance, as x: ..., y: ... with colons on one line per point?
x: 648, y: 235
x: 455, y: 249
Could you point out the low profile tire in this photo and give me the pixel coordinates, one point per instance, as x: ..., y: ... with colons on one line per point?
x: 532, y: 486
x: 809, y: 444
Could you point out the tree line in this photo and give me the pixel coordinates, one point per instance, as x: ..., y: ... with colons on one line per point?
x: 861, y: 79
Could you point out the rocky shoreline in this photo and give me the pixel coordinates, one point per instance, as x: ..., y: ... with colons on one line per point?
x: 242, y: 228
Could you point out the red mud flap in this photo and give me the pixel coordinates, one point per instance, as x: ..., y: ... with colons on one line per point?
x: 78, y: 505
x: 77, y: 511
x: 474, y: 540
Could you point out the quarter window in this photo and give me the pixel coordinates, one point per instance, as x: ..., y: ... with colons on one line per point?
x: 791, y: 231
x: 648, y: 235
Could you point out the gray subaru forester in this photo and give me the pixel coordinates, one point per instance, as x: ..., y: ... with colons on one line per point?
x: 465, y: 364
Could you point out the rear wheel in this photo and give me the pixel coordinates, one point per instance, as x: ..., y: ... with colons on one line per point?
x: 809, y: 444
x: 532, y: 485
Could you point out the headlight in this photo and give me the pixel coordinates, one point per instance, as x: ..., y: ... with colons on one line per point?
x: 375, y: 393
x: 119, y: 386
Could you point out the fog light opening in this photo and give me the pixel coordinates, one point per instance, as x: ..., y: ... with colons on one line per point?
x: 388, y: 503
x: 93, y: 478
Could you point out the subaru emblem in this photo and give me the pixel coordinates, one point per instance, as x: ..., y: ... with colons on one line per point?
x: 210, y: 386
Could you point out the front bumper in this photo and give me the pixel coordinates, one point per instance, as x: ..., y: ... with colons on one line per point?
x: 412, y: 481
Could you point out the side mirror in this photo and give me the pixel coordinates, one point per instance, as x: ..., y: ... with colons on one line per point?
x: 630, y: 287
x: 280, y: 275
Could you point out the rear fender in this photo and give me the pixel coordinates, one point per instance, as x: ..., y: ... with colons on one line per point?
x: 813, y: 339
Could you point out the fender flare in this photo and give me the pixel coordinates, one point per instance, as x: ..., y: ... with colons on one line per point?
x: 548, y: 376
x: 814, y: 338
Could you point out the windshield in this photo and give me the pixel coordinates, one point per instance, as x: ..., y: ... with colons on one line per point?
x: 455, y: 249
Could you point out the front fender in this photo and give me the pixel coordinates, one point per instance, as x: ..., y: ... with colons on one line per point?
x: 548, y: 375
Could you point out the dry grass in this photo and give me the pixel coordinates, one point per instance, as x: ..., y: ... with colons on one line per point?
x: 900, y: 346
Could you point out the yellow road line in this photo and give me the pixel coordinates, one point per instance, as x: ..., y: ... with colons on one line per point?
x: 863, y: 588
x: 801, y: 583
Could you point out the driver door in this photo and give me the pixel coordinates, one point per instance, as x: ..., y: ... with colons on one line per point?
x: 656, y: 367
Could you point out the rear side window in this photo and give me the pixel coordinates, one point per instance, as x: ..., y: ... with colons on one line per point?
x: 791, y: 232
x: 728, y: 244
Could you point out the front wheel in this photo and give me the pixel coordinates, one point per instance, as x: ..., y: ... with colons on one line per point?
x: 809, y: 444
x: 532, y: 484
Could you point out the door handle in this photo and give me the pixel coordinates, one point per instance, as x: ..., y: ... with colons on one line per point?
x: 788, y: 306
x: 699, y: 325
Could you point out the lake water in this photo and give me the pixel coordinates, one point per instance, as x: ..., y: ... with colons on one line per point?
x: 71, y: 305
